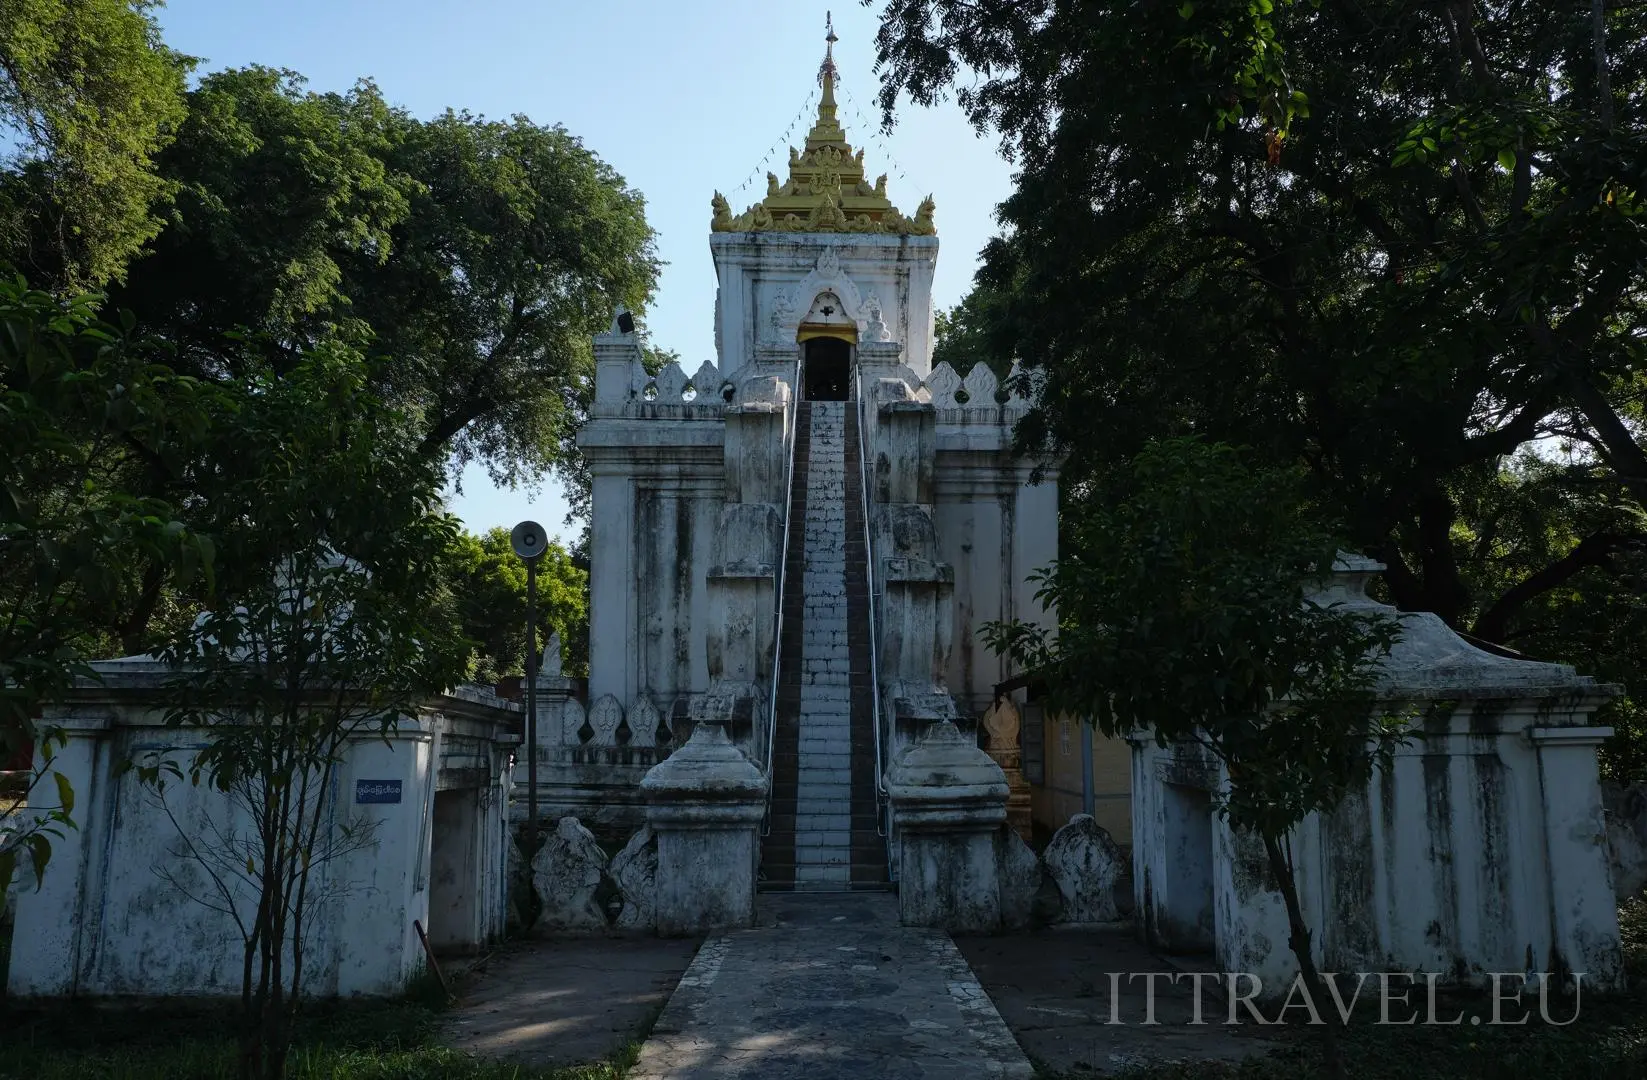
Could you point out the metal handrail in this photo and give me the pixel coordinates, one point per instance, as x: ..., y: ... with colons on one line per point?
x: 881, y: 795
x: 783, y: 573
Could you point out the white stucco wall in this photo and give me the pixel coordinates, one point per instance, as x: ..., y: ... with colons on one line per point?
x: 1482, y: 850
x: 125, y: 909
x: 768, y: 280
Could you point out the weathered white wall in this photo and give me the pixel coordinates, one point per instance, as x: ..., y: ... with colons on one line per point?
x: 768, y: 281
x: 115, y: 913
x: 1483, y: 848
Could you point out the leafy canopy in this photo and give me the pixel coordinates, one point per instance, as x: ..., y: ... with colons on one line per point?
x: 489, y: 586
x: 79, y: 401
x: 89, y: 94
x: 470, y: 259
x: 1181, y: 611
x: 1396, y: 245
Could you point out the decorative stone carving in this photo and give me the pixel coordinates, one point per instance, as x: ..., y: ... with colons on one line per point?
x: 1085, y: 862
x: 1021, y: 878
x: 721, y: 213
x: 875, y: 320
x: 671, y: 383
x: 706, y: 381
x: 1015, y: 385
x: 635, y: 871
x: 942, y: 383
x: 829, y: 263
x: 784, y: 304
x: 550, y: 667
x: 948, y: 801
x: 1002, y: 722
x: 573, y: 720
x: 981, y: 385
x: 643, y: 721
x: 604, y: 717
x: 566, y: 874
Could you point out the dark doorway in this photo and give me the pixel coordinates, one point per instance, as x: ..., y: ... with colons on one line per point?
x: 827, y: 369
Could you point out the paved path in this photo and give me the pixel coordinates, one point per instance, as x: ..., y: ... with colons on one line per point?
x: 1053, y: 989
x: 830, y: 988
x: 568, y: 1001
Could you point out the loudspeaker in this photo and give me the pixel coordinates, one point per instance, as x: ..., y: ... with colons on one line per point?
x: 528, y: 540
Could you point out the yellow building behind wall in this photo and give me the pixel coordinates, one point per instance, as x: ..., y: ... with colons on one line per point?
x: 1056, y: 784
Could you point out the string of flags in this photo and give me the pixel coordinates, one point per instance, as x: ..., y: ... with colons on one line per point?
x: 760, y: 171
x: 801, y: 119
x: 873, y: 131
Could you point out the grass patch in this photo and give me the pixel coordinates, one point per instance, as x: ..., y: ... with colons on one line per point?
x: 376, y: 1041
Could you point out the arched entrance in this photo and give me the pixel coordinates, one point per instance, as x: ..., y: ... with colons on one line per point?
x: 826, y: 337
x: 826, y: 369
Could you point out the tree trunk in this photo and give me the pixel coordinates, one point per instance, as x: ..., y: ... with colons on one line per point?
x: 1299, y: 941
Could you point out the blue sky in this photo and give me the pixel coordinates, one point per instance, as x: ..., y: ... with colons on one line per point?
x: 681, y: 98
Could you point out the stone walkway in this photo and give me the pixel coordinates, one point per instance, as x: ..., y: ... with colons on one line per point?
x: 567, y: 1001
x: 830, y: 988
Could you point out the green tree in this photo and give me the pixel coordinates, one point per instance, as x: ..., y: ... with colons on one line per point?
x: 471, y: 259
x: 79, y: 401
x: 1395, y: 244
x: 1180, y: 612
x: 971, y: 333
x: 489, y: 586
x: 88, y: 95
x: 328, y: 625
x: 279, y: 193
x: 518, y: 246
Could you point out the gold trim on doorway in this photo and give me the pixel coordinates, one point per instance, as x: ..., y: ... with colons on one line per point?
x: 808, y: 331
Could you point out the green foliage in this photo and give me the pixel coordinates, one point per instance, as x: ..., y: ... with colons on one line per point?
x: 1180, y: 611
x: 490, y: 591
x: 326, y: 627
x: 517, y: 248
x: 80, y: 400
x: 88, y: 94
x: 471, y: 259
x: 969, y: 334
x: 279, y: 193
x: 1396, y: 245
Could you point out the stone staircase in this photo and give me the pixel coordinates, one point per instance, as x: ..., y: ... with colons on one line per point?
x: 823, y: 831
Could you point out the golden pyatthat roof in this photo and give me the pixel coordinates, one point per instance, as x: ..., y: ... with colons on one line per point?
x: 827, y: 189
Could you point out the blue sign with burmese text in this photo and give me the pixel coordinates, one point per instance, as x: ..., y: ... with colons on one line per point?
x: 377, y: 791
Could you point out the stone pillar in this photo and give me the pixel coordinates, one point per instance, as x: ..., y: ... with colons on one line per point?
x: 705, y: 803
x: 948, y: 801
x: 1001, y: 723
x: 554, y: 693
x: 1583, y: 909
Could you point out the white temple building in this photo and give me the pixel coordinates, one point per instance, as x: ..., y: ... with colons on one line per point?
x: 799, y: 539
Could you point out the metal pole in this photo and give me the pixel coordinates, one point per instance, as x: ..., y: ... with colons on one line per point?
x: 1087, y: 800
x: 531, y: 709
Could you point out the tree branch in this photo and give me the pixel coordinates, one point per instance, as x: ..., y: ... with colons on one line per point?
x: 1594, y: 550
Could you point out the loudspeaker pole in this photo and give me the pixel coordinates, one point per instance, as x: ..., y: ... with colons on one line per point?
x: 531, y: 706
x: 528, y: 541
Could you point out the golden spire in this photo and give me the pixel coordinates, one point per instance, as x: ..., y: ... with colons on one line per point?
x: 827, y: 131
x: 827, y: 190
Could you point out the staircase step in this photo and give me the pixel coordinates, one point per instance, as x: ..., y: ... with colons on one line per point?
x: 823, y: 823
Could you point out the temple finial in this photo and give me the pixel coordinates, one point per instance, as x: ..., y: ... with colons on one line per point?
x: 827, y: 73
